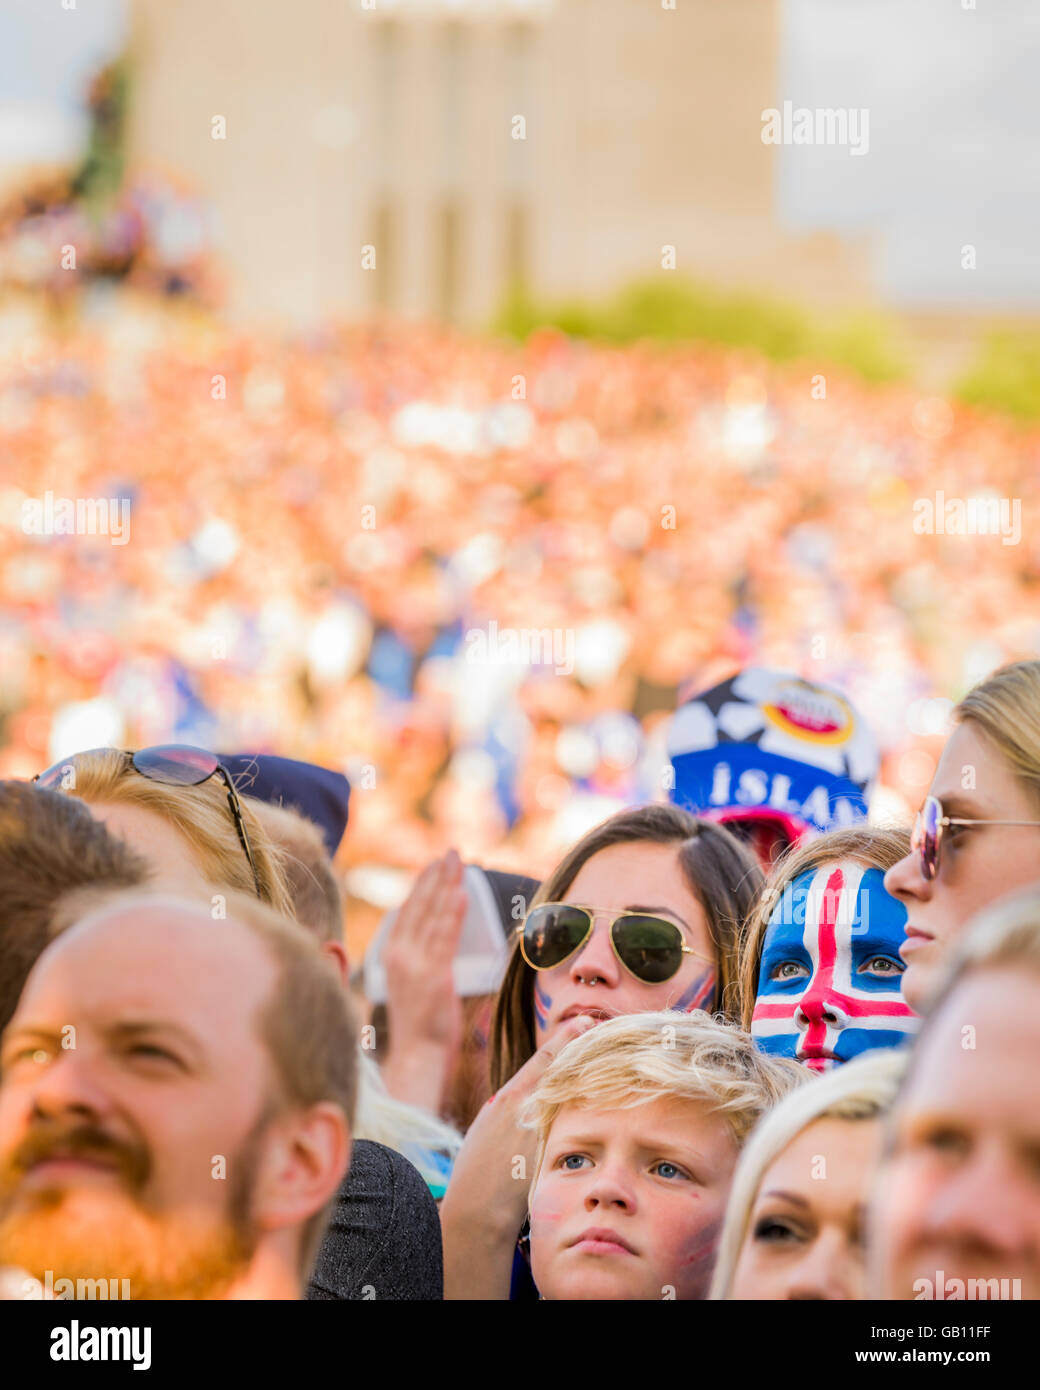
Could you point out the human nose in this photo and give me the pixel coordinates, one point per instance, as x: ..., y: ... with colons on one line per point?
x: 820, y: 1004
x: 596, y: 960
x: 905, y: 879
x: 610, y: 1188
x: 69, y: 1084
x: 830, y: 1269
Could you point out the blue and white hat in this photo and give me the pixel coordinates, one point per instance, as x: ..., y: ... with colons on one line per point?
x: 769, y: 746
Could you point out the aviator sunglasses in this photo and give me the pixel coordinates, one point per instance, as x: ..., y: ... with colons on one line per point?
x: 926, y: 838
x: 650, y: 948
x: 172, y: 764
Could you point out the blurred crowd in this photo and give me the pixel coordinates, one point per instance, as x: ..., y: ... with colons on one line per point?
x: 319, y: 525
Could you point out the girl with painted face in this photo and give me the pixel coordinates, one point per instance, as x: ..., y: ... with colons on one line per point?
x: 642, y: 914
x: 820, y: 969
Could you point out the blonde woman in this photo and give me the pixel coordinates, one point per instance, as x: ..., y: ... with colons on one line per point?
x: 639, y: 1124
x: 820, y: 966
x: 178, y: 806
x: 977, y: 836
x: 795, y: 1222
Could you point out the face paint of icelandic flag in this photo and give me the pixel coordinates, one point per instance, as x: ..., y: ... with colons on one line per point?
x: 829, y: 982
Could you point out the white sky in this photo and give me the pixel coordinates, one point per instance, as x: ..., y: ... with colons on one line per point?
x: 954, y: 154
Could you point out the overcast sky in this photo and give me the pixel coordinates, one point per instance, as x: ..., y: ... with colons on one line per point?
x: 954, y: 127
x: 954, y: 155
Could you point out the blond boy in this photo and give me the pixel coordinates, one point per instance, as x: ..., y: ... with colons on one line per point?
x: 640, y: 1122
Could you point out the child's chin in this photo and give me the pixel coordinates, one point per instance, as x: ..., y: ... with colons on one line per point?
x: 577, y: 1286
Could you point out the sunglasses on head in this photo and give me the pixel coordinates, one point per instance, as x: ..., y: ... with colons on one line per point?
x: 927, y: 836
x: 650, y: 948
x: 173, y: 765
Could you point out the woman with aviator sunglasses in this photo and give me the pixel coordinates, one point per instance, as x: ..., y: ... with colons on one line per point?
x: 178, y: 807
x: 643, y: 914
x: 977, y: 836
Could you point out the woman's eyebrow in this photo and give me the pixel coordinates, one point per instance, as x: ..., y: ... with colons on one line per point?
x: 957, y: 806
x: 671, y: 912
x: 792, y: 1197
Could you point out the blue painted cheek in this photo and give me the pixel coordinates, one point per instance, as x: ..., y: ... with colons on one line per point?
x: 699, y: 995
x: 778, y: 1045
x: 542, y: 1005
x: 852, y: 1042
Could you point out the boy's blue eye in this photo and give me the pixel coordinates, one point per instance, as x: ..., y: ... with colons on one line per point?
x: 669, y: 1170
x: 572, y: 1162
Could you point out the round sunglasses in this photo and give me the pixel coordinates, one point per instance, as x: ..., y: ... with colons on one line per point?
x: 927, y: 835
x: 173, y: 765
x: 650, y: 948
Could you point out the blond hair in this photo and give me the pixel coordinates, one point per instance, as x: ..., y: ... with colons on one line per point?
x: 639, y: 1058
x: 875, y: 847
x: 862, y: 1089
x: 200, y: 814
x: 304, y: 861
x: 1006, y: 707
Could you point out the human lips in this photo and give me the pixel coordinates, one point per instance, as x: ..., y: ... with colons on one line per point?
x: 595, y: 1011
x: 914, y: 940
x: 817, y: 1058
x: 72, y: 1166
x: 600, y: 1240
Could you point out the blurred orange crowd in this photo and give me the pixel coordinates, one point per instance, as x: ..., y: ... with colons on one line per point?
x: 318, y: 525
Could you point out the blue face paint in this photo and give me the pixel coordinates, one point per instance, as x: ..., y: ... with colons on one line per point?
x: 542, y: 1005
x: 828, y: 984
x: 699, y: 995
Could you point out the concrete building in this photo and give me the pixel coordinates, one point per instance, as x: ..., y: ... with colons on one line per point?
x: 469, y: 144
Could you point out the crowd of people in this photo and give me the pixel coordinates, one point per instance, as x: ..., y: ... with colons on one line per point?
x: 757, y: 1048
x: 318, y: 524
x: 673, y: 1016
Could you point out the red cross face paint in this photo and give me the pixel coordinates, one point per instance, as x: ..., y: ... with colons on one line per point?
x: 829, y: 980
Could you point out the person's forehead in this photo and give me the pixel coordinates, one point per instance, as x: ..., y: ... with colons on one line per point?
x: 862, y: 909
x: 173, y: 963
x: 847, y: 1148
x: 629, y: 873
x: 138, y: 823
x: 968, y: 750
x: 679, y: 1121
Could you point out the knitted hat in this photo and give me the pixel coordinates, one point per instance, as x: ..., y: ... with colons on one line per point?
x: 768, y: 746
